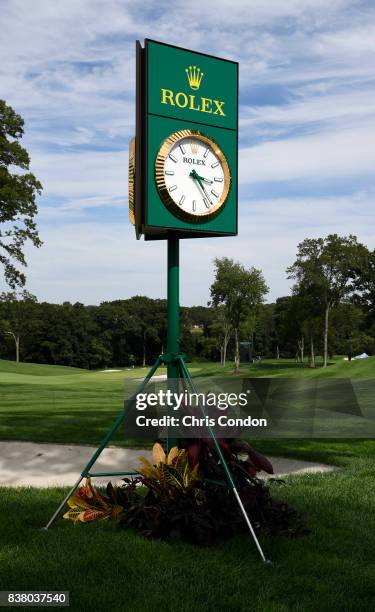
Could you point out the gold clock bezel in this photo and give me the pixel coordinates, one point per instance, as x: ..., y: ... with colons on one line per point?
x: 131, y: 182
x: 160, y: 180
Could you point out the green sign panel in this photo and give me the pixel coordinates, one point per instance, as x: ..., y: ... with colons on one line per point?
x: 186, y: 143
x: 191, y: 86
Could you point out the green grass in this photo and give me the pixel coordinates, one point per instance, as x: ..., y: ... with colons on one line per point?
x: 108, y: 569
x: 58, y: 404
x: 289, y: 368
x: 67, y: 405
x: 35, y: 369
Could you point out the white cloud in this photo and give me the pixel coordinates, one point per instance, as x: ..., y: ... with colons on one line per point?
x: 319, y: 112
x: 68, y: 68
x: 77, y: 174
x: 349, y: 152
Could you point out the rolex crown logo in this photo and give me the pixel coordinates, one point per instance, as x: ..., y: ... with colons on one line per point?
x: 194, y: 76
x: 194, y: 148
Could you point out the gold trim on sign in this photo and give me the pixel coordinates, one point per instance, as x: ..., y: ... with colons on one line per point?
x: 163, y: 153
x: 131, y: 180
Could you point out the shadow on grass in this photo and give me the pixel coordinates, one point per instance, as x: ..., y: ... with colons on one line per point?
x: 67, y: 427
x: 329, y: 569
x: 329, y: 451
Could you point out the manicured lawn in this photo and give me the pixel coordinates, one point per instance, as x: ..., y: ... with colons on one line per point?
x: 67, y: 405
x: 56, y: 404
x: 108, y: 569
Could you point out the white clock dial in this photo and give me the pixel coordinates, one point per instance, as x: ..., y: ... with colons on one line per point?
x: 192, y: 176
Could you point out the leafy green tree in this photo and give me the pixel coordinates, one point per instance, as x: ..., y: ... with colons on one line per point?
x: 330, y: 269
x: 142, y: 311
x: 311, y: 325
x: 288, y: 332
x: 17, y: 316
x: 248, y: 327
x: 367, y: 298
x: 200, y: 316
x: 349, y: 334
x: 283, y: 333
x: 240, y: 291
x: 305, y: 314
x: 221, y: 329
x: 99, y: 355
x: 263, y: 336
x: 55, y: 339
x: 113, y: 325
x: 297, y: 319
x: 17, y: 198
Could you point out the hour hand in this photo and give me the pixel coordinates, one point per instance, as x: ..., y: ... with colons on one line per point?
x: 204, y: 179
x: 194, y: 174
x: 196, y: 178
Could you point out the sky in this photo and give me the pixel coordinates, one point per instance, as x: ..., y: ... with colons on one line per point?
x: 307, y: 134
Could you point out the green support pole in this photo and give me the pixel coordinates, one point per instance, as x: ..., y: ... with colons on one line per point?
x: 173, y: 317
x: 173, y: 329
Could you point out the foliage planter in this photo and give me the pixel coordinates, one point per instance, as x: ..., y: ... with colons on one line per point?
x: 182, y: 496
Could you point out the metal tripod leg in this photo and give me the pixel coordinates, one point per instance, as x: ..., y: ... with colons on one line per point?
x: 99, y: 450
x: 61, y: 506
x: 186, y: 375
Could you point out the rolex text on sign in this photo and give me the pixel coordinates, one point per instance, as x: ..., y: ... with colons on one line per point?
x: 183, y: 100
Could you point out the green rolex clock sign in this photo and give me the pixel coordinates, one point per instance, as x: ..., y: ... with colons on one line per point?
x: 183, y: 163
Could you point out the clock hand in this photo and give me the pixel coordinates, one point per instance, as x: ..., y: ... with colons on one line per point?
x: 205, y: 193
x: 197, y: 178
x: 197, y: 183
x: 204, y: 179
x: 207, y: 196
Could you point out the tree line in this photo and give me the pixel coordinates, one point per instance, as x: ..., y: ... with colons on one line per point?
x: 330, y: 311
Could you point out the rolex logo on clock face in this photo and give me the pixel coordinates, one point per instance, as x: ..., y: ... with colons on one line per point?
x: 192, y: 176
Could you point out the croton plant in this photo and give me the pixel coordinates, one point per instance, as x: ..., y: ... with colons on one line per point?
x: 183, y: 495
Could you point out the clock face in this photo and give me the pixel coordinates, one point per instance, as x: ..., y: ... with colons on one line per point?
x: 192, y: 176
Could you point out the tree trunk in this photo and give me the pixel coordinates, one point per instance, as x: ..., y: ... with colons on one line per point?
x: 17, y: 340
x: 144, y: 351
x: 312, y: 352
x: 222, y: 355
x: 237, y: 351
x: 225, y: 346
x: 326, y: 322
x: 277, y: 352
x: 300, y: 350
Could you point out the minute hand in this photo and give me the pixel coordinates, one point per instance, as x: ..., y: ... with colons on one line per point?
x: 204, y: 190
x: 199, y: 179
